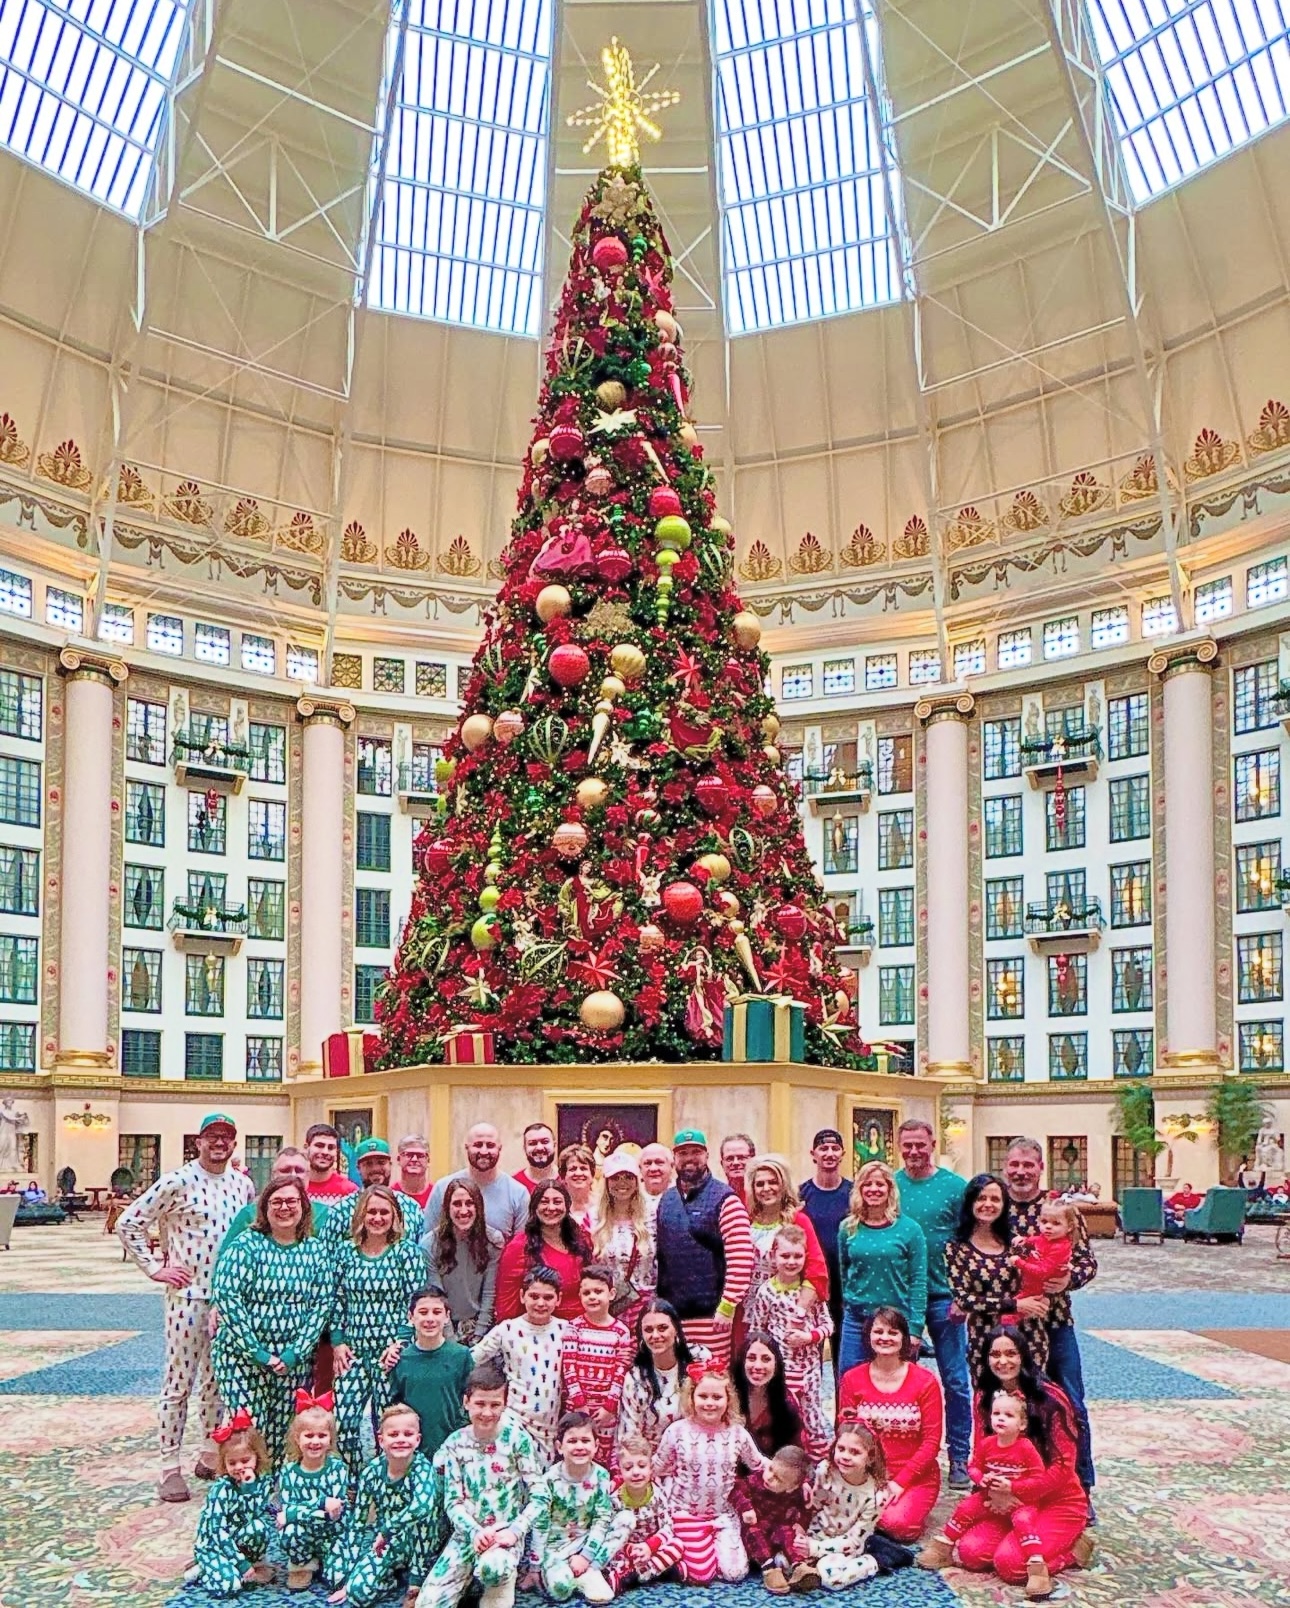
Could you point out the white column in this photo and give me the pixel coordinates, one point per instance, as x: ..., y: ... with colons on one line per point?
x: 949, y: 1044
x: 1191, y: 1027
x: 85, y: 872
x: 322, y: 820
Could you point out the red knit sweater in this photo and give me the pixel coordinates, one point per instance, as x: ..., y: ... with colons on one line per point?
x: 907, y: 1423
x: 512, y: 1266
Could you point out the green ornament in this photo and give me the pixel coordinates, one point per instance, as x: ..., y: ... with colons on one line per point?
x: 743, y: 845
x: 484, y: 933
x: 489, y: 899
x: 644, y: 727
x: 549, y: 738
x: 639, y: 247
x: 639, y: 371
x: 444, y: 771
x: 492, y: 872
x: 543, y: 962
x: 534, y: 798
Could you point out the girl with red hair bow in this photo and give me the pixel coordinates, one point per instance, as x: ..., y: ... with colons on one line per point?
x: 313, y: 1490
x: 233, y: 1530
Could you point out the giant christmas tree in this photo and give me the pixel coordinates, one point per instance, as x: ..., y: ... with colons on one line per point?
x: 619, y: 849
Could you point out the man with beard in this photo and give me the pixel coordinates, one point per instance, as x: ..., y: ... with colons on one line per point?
x: 322, y: 1148
x: 506, y: 1202
x: 539, y: 1156
x: 706, y: 1253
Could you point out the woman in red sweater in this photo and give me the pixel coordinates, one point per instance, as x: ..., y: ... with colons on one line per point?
x: 1057, y: 1495
x: 551, y: 1238
x: 901, y: 1403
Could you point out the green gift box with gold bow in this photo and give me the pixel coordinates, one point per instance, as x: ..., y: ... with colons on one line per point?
x: 764, y: 1027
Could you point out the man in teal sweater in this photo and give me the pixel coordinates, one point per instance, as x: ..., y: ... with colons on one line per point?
x: 933, y: 1197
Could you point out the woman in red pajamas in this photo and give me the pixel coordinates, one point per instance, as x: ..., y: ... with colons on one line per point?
x: 1057, y: 1495
x: 903, y: 1407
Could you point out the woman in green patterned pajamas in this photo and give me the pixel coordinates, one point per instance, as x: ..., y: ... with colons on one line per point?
x: 274, y: 1289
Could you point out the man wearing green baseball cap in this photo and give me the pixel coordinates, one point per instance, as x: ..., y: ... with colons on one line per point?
x: 188, y: 1213
x: 706, y: 1253
x: 375, y: 1166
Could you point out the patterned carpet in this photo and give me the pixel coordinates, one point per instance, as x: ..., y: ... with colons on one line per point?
x: 1190, y: 1433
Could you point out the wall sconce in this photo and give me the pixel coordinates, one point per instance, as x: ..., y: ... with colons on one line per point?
x: 955, y: 1128
x: 85, y: 1118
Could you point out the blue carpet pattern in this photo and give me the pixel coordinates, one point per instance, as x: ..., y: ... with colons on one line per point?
x: 911, y: 1588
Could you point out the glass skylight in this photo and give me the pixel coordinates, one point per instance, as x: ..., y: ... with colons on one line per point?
x: 459, y: 236
x: 83, y: 88
x: 802, y: 190
x: 1191, y: 80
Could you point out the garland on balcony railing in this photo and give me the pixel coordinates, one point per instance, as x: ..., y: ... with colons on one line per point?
x: 212, y: 748
x: 1066, y: 743
x: 209, y: 917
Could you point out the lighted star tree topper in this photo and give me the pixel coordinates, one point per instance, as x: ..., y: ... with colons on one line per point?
x: 625, y: 109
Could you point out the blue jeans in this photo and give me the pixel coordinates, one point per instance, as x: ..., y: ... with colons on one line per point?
x: 1067, y: 1373
x: 852, y: 1350
x: 949, y: 1351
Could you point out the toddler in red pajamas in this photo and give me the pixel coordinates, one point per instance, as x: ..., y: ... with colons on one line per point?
x: 645, y: 1546
x: 1046, y: 1255
x: 771, y: 1507
x: 595, y: 1355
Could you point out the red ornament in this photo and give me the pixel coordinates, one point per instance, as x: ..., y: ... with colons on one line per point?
x: 712, y: 793
x: 608, y: 252
x: 614, y: 564
x: 764, y: 801
x: 212, y: 803
x: 437, y: 859
x: 568, y: 665
x: 662, y: 502
x: 682, y: 903
x: 566, y: 442
x: 790, y: 920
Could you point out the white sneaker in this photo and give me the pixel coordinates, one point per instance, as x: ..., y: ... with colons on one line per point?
x: 868, y: 1566
x: 594, y: 1587
x: 502, y: 1596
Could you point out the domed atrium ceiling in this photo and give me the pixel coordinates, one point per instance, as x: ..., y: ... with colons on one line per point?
x: 977, y: 298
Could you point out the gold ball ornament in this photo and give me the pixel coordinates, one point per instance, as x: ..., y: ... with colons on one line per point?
x: 770, y: 727
x: 591, y: 792
x: 719, y: 526
x: 476, y: 730
x: 747, y: 628
x: 666, y: 325
x: 688, y: 434
x: 716, y: 865
x: 772, y: 753
x: 552, y: 603
x: 627, y: 661
x: 602, y: 1011
x: 539, y: 452
x: 611, y: 394
x: 612, y: 687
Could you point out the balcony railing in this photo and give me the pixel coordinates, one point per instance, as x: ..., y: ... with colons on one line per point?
x: 837, y: 786
x: 1072, y: 755
x: 210, y: 761
x: 418, y: 794
x: 208, y: 927
x: 1063, y: 926
x: 858, y: 940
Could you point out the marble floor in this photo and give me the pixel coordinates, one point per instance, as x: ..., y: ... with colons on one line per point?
x: 1184, y: 1354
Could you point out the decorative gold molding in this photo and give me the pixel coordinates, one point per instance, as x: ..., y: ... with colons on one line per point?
x: 83, y: 1061
x: 951, y: 1071
x: 948, y: 706
x: 315, y: 710
x: 89, y: 664
x: 1183, y: 657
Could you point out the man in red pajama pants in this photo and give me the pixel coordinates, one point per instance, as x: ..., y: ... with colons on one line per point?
x: 706, y: 1253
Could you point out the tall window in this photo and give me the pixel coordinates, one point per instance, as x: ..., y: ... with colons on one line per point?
x: 896, y: 764
x: 895, y: 917
x: 1067, y: 1161
x: 19, y: 881
x: 268, y: 746
x: 204, y: 985
x: 372, y: 918
x: 207, y: 823
x: 1257, y: 794
x: 895, y: 995
x: 145, y: 732
x: 842, y: 845
x: 265, y: 906
x: 1005, y: 989
x: 144, y: 896
x: 204, y: 1057
x: 372, y: 851
x: 1005, y: 1059
x: 1128, y: 726
x: 145, y: 814
x: 1130, y: 798
x: 1261, y: 1046
x: 1259, y: 968
x: 17, y: 1046
x: 805, y: 216
x: 1067, y: 1057
x: 895, y: 840
x: 1068, y: 985
x: 1131, y: 979
x: 140, y: 1053
x: 264, y: 989
x: 20, y: 705
x: 141, y: 979
x: 1254, y: 703
x: 459, y: 236
x: 375, y: 766
x: 1001, y: 743
x: 1004, y: 908
x: 19, y: 970
x: 19, y: 791
x: 1258, y: 870
x: 1131, y: 894
x: 1064, y: 821
x: 1066, y: 891
x: 1003, y: 826
x: 367, y: 983
x: 266, y: 830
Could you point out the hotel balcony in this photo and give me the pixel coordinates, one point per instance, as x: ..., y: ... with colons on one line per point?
x: 1073, y: 758
x: 209, y: 765
x: 1061, y: 929
x: 829, y: 791
x: 207, y: 929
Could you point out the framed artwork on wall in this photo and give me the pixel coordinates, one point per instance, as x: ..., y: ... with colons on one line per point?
x: 873, y: 1136
x: 605, y: 1127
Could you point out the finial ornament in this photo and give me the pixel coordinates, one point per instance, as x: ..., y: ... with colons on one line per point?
x: 625, y: 110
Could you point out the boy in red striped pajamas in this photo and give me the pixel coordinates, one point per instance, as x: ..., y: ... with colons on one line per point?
x: 595, y: 1355
x: 647, y: 1548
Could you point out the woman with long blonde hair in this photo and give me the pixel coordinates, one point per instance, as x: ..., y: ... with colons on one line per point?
x: 883, y: 1260
x: 623, y: 1238
x: 773, y: 1203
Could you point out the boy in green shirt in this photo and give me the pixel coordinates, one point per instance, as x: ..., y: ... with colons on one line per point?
x: 430, y: 1374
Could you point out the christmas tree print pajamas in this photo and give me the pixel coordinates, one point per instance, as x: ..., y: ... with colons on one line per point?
x: 530, y: 1358
x: 371, y: 1310
x: 338, y: 1229
x: 647, y: 1524
x: 273, y: 1300
x: 571, y: 1517
x: 842, y: 1520
x: 698, y: 1467
x: 308, y: 1535
x: 593, y: 1365
x: 190, y: 1210
x: 406, y: 1513
x: 484, y: 1486
x: 779, y: 1312
x: 232, y: 1533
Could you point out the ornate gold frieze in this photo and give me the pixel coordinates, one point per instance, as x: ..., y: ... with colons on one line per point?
x: 760, y: 564
x: 406, y: 552
x: 355, y: 547
x: 301, y: 535
x: 863, y: 549
x: 969, y: 529
x: 65, y: 467
x: 459, y: 560
x: 913, y: 541
x: 1142, y: 481
x: 1211, y: 455
x: 1026, y: 514
x: 810, y: 558
x: 1273, y: 431
x: 188, y: 506
x: 13, y: 449
x: 1086, y: 496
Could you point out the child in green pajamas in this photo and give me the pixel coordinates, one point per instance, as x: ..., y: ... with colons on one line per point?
x: 487, y: 1474
x: 314, y: 1492
x: 233, y: 1529
x: 397, y: 1489
x: 573, y: 1517
x: 377, y: 1270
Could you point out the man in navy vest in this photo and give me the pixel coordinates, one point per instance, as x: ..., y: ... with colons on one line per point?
x: 706, y: 1253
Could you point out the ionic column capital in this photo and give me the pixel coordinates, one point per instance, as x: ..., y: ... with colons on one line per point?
x: 311, y: 711
x: 1182, y: 658
x: 89, y: 664
x: 960, y: 706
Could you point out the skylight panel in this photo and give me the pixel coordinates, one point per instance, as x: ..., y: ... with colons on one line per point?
x: 83, y: 89
x: 1191, y: 80
x: 459, y: 237
x: 804, y: 209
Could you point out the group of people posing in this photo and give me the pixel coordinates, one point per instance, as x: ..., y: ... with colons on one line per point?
x: 601, y: 1370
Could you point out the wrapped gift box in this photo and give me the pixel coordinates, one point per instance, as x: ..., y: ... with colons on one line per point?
x: 469, y: 1046
x: 764, y: 1027
x: 349, y: 1054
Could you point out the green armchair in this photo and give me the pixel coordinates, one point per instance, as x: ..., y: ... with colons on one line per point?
x: 1142, y: 1211
x: 1220, y: 1216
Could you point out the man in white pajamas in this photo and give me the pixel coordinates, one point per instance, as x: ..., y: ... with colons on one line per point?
x: 188, y: 1212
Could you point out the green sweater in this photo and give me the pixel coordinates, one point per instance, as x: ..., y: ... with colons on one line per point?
x: 432, y: 1383
x: 885, y: 1267
x: 934, y: 1204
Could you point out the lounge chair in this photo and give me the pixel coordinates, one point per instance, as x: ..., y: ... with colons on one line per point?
x: 1142, y: 1211
x: 1221, y: 1216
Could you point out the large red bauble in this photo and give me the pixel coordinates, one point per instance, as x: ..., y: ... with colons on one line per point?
x: 608, y: 252
x: 764, y: 801
x: 566, y: 442
x: 683, y: 903
x: 568, y: 664
x: 663, y: 501
x: 790, y: 920
x: 614, y: 564
x: 711, y: 792
x: 437, y: 859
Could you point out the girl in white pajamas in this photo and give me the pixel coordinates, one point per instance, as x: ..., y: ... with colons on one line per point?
x: 846, y: 1499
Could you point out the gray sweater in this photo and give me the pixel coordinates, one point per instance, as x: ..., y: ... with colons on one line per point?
x: 470, y: 1292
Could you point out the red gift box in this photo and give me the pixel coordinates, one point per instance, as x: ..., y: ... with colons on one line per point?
x: 469, y: 1046
x: 350, y: 1054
